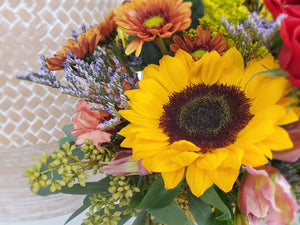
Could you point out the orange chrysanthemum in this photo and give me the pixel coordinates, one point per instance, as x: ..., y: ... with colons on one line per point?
x: 149, y: 19
x: 85, y: 44
x: 203, y: 42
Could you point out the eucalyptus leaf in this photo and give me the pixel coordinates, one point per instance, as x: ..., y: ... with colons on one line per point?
x: 200, y: 210
x: 89, y: 189
x: 86, y: 204
x: 197, y: 12
x: 212, y: 198
x: 170, y: 215
x: 67, y: 130
x: 157, y: 196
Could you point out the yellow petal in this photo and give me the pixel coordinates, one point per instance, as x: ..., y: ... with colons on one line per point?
x: 154, y: 88
x: 253, y: 156
x: 184, y: 145
x: 197, y: 179
x: 163, y: 161
x: 185, y: 158
x: 234, y: 157
x: 147, y: 105
x: 172, y: 179
x: 233, y: 67
x: 185, y: 57
x: 224, y: 177
x: 177, y: 76
x: 207, y: 69
x: 279, y: 140
x: 211, y: 160
x: 138, y: 119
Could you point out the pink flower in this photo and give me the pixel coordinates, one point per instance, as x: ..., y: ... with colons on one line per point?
x: 265, y: 194
x: 291, y: 155
x: 86, y: 124
x: 123, y: 164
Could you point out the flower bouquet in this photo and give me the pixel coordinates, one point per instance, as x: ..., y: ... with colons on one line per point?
x: 188, y: 108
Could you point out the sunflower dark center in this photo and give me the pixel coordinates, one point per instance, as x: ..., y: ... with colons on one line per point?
x: 210, y: 116
x: 205, y: 115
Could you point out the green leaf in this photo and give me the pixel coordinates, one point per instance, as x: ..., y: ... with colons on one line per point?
x: 140, y: 218
x: 67, y: 130
x: 170, y: 214
x: 157, y: 196
x: 199, y: 209
x: 46, y: 190
x: 212, y: 198
x: 89, y: 189
x: 197, y: 12
x: 150, y: 53
x: 86, y: 204
x: 274, y: 73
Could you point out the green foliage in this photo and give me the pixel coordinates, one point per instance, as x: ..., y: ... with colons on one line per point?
x: 110, y: 206
x: 157, y: 196
x: 197, y: 12
x: 200, y: 210
x: 212, y: 198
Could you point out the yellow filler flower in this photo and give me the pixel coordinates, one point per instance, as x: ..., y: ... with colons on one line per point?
x: 150, y: 19
x: 203, y: 120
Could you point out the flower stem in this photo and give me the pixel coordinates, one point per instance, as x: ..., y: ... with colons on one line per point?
x: 161, y: 45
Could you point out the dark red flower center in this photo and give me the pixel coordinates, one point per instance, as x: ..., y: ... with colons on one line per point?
x: 210, y: 116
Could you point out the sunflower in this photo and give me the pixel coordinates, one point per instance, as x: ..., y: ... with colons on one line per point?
x: 85, y: 44
x: 204, y: 119
x: 202, y: 42
x: 150, y: 19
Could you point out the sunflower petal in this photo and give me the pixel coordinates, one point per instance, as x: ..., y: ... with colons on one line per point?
x: 172, y: 179
x: 198, y: 179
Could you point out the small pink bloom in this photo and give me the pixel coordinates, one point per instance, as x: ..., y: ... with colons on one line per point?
x: 291, y: 155
x: 86, y: 121
x: 123, y: 164
x: 265, y: 195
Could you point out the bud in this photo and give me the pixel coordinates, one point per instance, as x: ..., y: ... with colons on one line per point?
x: 265, y: 195
x: 123, y: 164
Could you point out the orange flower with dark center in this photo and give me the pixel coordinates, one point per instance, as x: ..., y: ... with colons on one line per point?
x: 150, y: 19
x: 85, y: 44
x: 203, y: 42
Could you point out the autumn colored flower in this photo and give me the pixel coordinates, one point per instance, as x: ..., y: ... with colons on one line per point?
x: 199, y: 120
x: 85, y: 124
x: 150, y: 19
x: 202, y: 42
x: 85, y: 44
x: 265, y: 195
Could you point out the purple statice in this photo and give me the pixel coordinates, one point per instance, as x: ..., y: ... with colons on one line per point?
x: 45, y: 76
x: 75, y: 34
x: 98, y: 78
x: 253, y: 34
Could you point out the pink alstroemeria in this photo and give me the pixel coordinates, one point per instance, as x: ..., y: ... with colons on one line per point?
x: 291, y: 155
x: 123, y: 164
x: 86, y: 121
x: 265, y: 195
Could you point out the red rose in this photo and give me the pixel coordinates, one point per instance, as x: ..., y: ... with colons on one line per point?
x: 288, y: 7
x: 289, y: 57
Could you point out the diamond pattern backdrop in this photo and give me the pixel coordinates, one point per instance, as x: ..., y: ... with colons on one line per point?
x: 31, y: 116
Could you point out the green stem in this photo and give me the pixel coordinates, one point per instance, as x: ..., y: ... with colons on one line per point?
x: 161, y: 45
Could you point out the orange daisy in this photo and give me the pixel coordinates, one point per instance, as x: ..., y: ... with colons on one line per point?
x: 85, y: 44
x: 149, y: 19
x: 203, y: 42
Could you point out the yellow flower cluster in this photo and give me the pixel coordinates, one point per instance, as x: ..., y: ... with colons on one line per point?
x: 233, y: 10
